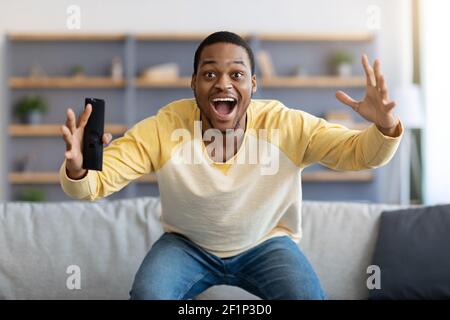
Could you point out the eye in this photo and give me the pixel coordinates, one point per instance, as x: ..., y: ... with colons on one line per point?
x: 209, y: 74
x: 237, y: 75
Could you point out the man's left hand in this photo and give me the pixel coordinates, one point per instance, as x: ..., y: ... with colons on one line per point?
x: 376, y: 106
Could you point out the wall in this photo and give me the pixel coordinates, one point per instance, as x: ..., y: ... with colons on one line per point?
x: 435, y: 70
x: 203, y: 15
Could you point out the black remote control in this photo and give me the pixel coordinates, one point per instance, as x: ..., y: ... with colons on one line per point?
x: 93, y: 133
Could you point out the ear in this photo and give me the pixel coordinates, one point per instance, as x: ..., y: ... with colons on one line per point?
x: 254, y: 84
x: 193, y: 78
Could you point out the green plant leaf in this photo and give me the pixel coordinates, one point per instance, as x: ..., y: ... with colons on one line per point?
x: 31, y: 103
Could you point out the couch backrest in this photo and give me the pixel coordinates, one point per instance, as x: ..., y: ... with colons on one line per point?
x: 44, y: 245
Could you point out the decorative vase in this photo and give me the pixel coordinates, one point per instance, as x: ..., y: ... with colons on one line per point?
x: 116, y: 69
x: 33, y: 117
x: 344, y: 70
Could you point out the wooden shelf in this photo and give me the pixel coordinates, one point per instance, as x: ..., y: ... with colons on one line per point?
x: 184, y: 82
x: 53, y: 130
x: 33, y: 178
x: 49, y: 37
x: 276, y: 82
x: 53, y: 178
x: 312, y: 81
x: 170, y: 36
x: 335, y: 176
x: 65, y: 36
x: 174, y: 36
x: 184, y: 36
x: 317, y: 176
x: 316, y: 37
x: 65, y: 82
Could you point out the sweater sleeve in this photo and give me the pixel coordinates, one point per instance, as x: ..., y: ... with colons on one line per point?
x: 124, y: 160
x: 340, y: 148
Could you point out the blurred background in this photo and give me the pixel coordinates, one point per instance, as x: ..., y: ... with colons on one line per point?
x: 138, y: 56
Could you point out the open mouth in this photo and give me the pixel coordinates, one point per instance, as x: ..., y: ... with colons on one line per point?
x: 224, y: 106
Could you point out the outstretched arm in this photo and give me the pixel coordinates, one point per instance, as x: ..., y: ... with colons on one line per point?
x: 342, y: 149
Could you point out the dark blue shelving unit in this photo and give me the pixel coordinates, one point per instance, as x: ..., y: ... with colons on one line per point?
x: 129, y: 103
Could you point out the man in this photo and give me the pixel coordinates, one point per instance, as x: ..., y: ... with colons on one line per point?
x: 226, y: 220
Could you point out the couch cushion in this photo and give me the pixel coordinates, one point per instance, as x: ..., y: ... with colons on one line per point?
x: 339, y: 240
x: 412, y: 254
x: 107, y: 240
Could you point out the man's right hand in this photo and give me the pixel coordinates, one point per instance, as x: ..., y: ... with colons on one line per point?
x: 73, y: 136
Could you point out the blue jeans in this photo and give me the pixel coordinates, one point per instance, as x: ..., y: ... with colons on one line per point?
x: 175, y: 268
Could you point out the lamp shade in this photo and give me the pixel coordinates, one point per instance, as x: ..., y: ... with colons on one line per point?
x: 409, y: 107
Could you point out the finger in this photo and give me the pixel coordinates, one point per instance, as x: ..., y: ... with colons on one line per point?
x: 346, y: 99
x: 67, y: 136
x: 70, y: 122
x: 107, y: 137
x: 370, y: 76
x: 377, y: 70
x: 84, y: 117
x: 383, y: 88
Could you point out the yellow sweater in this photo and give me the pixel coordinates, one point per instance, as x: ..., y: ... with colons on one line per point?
x: 230, y: 207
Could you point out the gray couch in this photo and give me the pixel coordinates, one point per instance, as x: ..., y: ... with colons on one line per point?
x: 107, y: 241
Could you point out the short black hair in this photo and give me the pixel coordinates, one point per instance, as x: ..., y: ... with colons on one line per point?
x: 227, y: 37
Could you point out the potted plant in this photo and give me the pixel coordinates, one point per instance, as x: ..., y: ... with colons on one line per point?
x: 31, y: 108
x: 78, y: 71
x: 32, y: 194
x: 341, y: 63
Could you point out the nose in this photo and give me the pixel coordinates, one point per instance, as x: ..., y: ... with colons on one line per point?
x: 223, y: 83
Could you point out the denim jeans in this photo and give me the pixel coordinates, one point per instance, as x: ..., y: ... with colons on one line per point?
x: 175, y: 268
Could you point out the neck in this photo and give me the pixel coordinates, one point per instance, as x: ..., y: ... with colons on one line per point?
x: 227, y: 148
x: 206, y: 124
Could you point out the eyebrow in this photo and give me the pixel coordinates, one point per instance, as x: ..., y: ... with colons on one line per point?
x: 211, y: 61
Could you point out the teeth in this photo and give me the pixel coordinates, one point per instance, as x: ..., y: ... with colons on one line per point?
x: 223, y: 99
